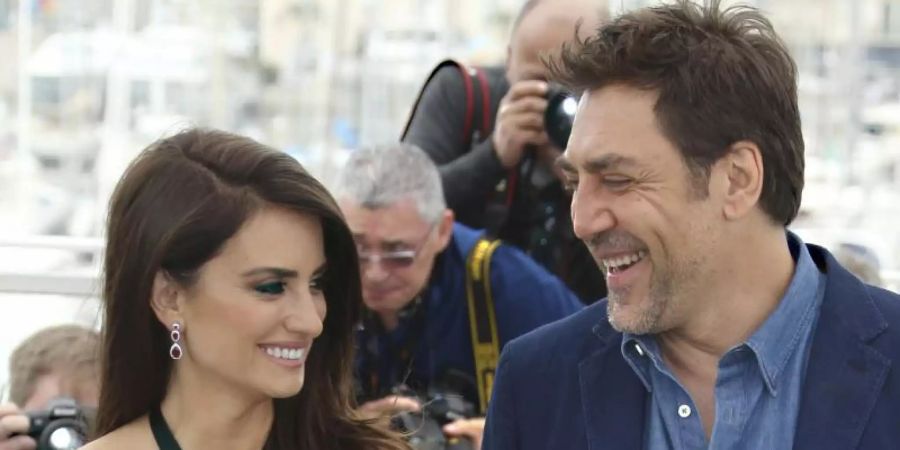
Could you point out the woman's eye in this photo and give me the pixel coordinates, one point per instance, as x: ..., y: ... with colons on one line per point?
x: 317, y: 284
x: 271, y: 288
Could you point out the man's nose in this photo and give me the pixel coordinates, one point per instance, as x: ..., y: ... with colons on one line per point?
x: 373, y: 270
x: 590, y: 214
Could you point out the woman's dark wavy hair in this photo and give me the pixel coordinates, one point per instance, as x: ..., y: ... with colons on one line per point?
x: 722, y: 75
x: 178, y: 202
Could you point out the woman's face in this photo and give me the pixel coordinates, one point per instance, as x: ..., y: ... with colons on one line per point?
x: 256, y: 308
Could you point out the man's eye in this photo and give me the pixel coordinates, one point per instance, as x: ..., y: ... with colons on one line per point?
x: 570, y: 185
x: 271, y: 288
x: 395, y: 248
x: 616, y: 182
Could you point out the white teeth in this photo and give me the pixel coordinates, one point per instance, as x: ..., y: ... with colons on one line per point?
x: 285, y: 353
x: 615, y: 263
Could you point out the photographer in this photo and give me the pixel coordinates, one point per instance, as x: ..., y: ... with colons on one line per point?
x: 59, y: 361
x: 417, y: 344
x: 486, y: 133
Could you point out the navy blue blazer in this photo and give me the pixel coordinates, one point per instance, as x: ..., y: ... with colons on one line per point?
x: 567, y: 386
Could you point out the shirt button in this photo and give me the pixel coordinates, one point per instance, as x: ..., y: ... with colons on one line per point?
x: 684, y: 411
x: 638, y: 349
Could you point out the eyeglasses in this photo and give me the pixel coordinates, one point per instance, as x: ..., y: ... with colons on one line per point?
x: 399, y: 259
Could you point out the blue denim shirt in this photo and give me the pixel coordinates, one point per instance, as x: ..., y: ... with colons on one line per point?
x: 759, y: 382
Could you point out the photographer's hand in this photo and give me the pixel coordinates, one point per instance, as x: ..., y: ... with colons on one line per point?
x: 473, y: 429
x: 389, y: 406
x: 14, y: 421
x: 520, y: 121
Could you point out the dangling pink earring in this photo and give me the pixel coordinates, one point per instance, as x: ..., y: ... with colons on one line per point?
x: 175, y: 350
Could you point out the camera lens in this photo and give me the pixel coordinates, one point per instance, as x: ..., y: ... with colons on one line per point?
x: 65, y: 439
x: 63, y: 434
x: 559, y: 115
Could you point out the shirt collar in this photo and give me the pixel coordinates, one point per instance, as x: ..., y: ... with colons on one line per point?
x: 781, y: 333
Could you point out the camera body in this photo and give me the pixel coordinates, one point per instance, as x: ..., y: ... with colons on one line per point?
x: 559, y: 115
x: 424, y: 429
x: 64, y: 425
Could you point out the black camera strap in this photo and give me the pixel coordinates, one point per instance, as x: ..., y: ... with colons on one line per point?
x: 165, y: 440
x: 507, y: 192
x: 478, y: 121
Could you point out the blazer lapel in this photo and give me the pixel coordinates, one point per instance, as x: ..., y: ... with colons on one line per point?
x: 613, y: 397
x: 845, y: 375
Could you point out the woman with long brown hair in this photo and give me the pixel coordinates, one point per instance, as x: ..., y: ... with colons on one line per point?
x: 231, y: 293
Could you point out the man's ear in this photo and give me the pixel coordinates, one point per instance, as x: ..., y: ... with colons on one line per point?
x: 445, y: 229
x: 743, y: 179
x: 166, y: 299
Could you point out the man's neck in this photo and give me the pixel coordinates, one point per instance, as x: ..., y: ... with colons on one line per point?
x: 390, y: 320
x: 736, y: 302
x: 207, y: 412
x: 732, y: 305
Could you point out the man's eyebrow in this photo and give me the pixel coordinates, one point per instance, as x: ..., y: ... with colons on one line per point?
x: 599, y: 164
x: 610, y: 161
x: 387, y: 243
x: 564, y: 164
x: 393, y: 243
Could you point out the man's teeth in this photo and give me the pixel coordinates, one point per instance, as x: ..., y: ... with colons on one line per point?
x: 285, y: 353
x: 620, y: 262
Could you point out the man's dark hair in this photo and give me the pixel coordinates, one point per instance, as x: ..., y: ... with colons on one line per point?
x: 722, y: 76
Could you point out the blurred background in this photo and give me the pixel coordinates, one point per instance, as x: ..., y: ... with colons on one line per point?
x: 86, y: 84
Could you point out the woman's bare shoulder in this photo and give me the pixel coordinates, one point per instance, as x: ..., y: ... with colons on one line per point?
x: 135, y: 435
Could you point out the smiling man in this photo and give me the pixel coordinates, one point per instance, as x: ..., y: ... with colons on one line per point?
x: 417, y: 335
x: 722, y: 329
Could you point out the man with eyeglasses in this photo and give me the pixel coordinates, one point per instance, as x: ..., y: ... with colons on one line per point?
x: 413, y: 257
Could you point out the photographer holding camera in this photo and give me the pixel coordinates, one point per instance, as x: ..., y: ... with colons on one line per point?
x: 441, y: 300
x: 53, y: 375
x: 487, y: 130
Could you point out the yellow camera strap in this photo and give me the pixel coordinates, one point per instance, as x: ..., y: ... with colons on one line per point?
x: 482, y: 319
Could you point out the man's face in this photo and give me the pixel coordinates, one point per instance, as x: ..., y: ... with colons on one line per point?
x: 84, y: 390
x: 397, y: 250
x: 647, y: 225
x: 541, y: 33
x: 526, y: 48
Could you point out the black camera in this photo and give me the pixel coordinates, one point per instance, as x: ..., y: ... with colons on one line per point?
x: 62, y: 426
x: 559, y: 115
x: 424, y: 429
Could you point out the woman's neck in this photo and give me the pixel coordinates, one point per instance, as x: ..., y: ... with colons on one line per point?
x: 208, y: 413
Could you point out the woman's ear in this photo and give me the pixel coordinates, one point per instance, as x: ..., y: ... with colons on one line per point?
x: 165, y: 299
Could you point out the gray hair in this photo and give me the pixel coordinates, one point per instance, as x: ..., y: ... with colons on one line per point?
x: 381, y: 176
